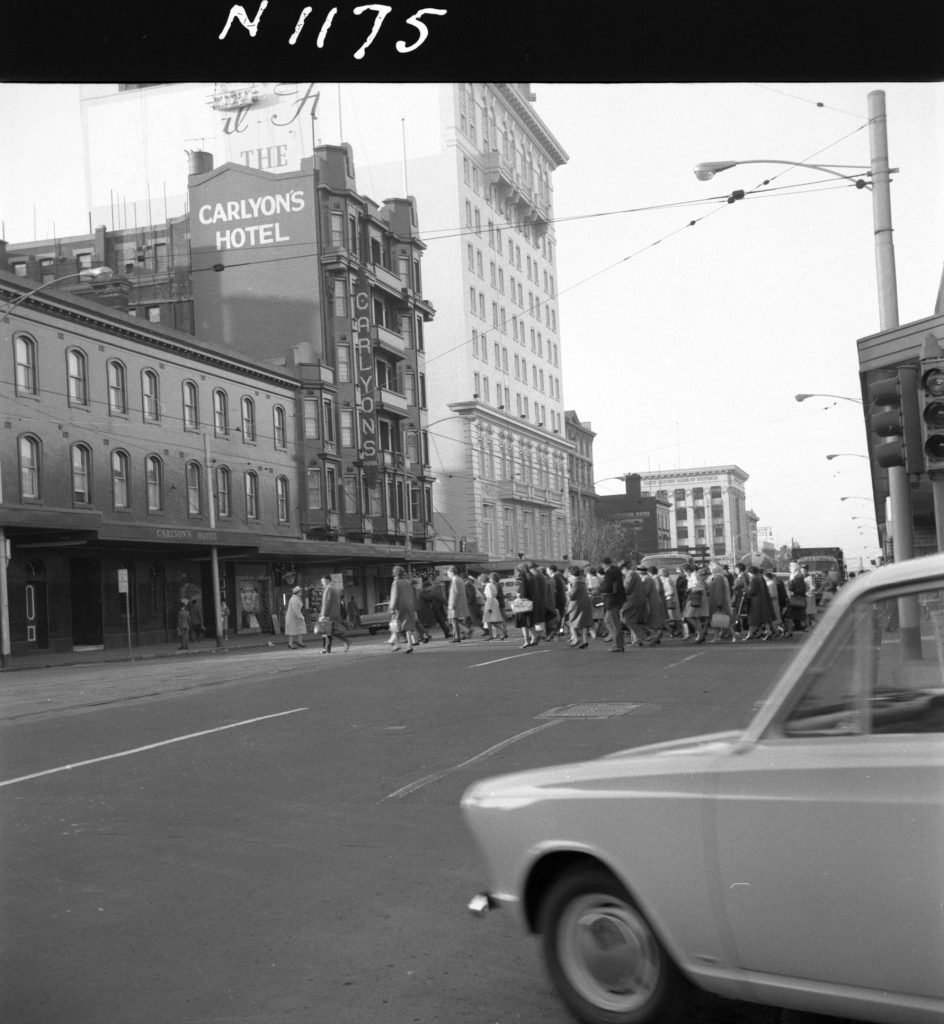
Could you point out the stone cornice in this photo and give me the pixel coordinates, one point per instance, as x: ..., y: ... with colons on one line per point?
x: 523, y: 109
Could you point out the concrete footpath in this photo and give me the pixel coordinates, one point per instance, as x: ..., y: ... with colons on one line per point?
x: 48, y: 681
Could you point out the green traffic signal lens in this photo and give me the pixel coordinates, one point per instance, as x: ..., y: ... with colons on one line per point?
x: 934, y: 415
x: 934, y: 447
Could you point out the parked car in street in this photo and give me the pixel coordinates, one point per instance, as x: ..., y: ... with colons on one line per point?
x: 797, y: 863
x: 378, y: 618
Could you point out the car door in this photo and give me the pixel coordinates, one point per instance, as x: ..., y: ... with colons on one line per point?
x: 829, y: 830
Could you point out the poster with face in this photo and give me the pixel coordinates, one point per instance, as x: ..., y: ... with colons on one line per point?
x: 250, y: 604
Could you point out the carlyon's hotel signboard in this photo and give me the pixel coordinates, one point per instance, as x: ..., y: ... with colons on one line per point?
x: 258, y: 230
x: 238, y: 209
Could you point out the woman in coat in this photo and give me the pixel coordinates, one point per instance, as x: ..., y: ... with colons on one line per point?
x: 695, y: 612
x: 525, y: 620
x: 295, y: 625
x: 719, y: 602
x: 493, y: 616
x: 579, y: 609
x: 656, y: 612
x: 402, y: 610
x: 760, y: 612
x: 457, y: 605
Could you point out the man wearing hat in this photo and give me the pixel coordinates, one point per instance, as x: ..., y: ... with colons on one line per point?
x: 295, y: 626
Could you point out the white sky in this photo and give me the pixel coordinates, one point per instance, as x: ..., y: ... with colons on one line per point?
x: 683, y: 346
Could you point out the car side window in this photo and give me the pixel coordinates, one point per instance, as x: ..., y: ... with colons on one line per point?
x: 881, y: 672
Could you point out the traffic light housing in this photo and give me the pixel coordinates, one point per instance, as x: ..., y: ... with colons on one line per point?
x: 931, y: 399
x: 895, y: 420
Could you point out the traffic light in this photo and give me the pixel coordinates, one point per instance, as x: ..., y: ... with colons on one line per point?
x: 931, y: 397
x: 895, y: 420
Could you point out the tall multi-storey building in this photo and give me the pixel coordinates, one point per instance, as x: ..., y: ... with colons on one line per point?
x: 479, y: 162
x: 709, y: 510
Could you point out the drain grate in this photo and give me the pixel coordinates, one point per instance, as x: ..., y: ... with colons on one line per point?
x: 589, y: 711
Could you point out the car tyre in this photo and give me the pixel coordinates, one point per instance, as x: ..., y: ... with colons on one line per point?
x: 604, y: 958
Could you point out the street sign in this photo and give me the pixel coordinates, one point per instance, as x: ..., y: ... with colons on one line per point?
x: 122, y: 581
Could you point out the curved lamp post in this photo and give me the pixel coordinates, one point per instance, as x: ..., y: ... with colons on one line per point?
x: 817, y: 394
x: 708, y: 169
x: 96, y: 273
x: 850, y: 455
x: 856, y: 497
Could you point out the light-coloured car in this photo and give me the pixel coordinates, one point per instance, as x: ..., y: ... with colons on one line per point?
x: 377, y: 619
x: 798, y: 863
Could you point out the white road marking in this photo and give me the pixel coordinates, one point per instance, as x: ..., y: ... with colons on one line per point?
x: 150, y: 746
x: 509, y: 657
x: 414, y: 786
x: 691, y: 657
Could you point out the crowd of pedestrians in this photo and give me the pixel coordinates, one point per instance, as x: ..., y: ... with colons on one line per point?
x: 617, y: 603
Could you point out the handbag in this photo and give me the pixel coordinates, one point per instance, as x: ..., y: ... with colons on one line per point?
x: 538, y: 629
x: 323, y: 627
x: 797, y: 601
x: 720, y: 620
x: 520, y: 605
x: 694, y: 598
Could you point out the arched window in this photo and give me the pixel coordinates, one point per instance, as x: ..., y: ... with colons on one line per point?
x: 117, y: 388
x: 278, y: 426
x: 224, y: 505
x: 220, y: 413
x: 120, y: 479
x: 252, y: 495
x: 191, y: 406
x: 27, y: 382
x: 30, y: 468
x: 151, y: 396
x: 77, y: 373
x: 154, y: 477
x: 194, y: 502
x: 248, y: 415
x: 81, y: 474
x: 281, y: 498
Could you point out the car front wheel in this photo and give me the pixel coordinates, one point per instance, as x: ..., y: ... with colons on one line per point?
x: 603, y: 957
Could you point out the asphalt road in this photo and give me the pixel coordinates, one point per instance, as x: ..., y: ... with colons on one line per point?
x: 274, y: 836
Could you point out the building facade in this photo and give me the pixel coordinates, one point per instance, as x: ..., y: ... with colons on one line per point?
x: 310, y: 402
x: 479, y: 162
x: 708, y: 510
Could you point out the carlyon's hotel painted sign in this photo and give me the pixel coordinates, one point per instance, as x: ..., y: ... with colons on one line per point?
x: 254, y: 221
x: 236, y: 209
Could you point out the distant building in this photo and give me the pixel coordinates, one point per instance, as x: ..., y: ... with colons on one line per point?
x: 708, y: 509
x: 643, y: 519
x: 580, y: 475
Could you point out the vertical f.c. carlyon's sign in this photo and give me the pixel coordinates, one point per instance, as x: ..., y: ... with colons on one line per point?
x: 366, y: 374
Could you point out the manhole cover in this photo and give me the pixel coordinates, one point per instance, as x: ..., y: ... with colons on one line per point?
x: 589, y: 711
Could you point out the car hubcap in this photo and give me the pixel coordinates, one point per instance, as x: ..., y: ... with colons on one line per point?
x: 608, y: 953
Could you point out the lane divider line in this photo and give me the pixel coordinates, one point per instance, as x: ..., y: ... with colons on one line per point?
x: 150, y: 746
x: 414, y: 786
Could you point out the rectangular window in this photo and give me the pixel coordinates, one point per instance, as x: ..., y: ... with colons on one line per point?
x: 344, y: 364
x: 310, y: 407
x: 313, y: 487
x: 328, y: 407
x: 337, y: 230
x: 347, y: 428
x: 340, y: 297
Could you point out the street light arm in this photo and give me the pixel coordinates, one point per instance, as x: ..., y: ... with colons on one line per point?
x: 708, y: 169
x: 104, y: 273
x: 816, y: 394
